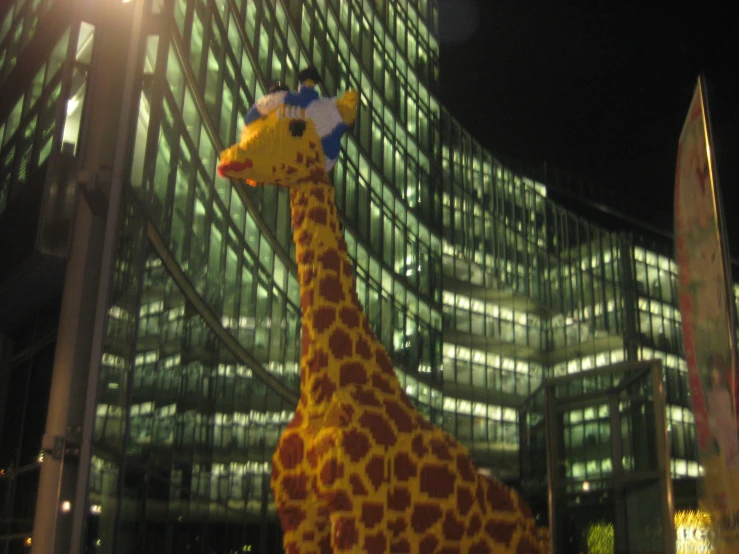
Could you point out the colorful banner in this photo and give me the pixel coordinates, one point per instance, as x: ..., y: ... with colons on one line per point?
x: 706, y: 320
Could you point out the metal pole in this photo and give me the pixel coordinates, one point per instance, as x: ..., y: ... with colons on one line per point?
x: 619, y: 521
x: 69, y: 359
x: 663, y: 458
x: 552, y: 466
x: 115, y: 193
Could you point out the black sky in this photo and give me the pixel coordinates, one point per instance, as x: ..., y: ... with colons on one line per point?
x: 597, y: 88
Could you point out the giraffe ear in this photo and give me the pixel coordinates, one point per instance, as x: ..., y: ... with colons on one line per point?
x: 347, y: 106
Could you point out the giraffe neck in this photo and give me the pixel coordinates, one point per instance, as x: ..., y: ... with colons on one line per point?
x: 338, y: 346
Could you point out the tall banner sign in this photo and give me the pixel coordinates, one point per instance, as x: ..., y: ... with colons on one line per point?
x: 706, y: 308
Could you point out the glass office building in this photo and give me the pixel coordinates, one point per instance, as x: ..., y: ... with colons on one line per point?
x: 150, y: 312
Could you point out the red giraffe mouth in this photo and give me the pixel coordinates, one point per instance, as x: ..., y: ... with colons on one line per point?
x: 234, y: 167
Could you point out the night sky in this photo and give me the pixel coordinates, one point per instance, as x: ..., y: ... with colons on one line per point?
x: 600, y: 89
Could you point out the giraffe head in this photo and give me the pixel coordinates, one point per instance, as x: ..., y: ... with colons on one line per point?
x: 290, y: 137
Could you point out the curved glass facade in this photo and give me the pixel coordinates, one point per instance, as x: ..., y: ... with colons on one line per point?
x: 478, y: 284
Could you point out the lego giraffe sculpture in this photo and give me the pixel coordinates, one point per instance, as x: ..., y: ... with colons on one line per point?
x: 358, y: 469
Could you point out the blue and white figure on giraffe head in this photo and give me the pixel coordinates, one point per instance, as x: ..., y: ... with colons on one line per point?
x: 287, y: 134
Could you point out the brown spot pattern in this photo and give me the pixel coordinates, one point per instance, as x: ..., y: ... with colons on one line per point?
x: 330, y: 260
x: 464, y: 500
x: 352, y: 373
x: 398, y: 499
x: 296, y: 420
x: 329, y: 287
x: 404, y: 467
x: 500, y: 531
x: 304, y: 237
x: 437, y: 481
x: 418, y: 447
x: 383, y: 360
x: 324, y: 545
x: 306, y: 299
x: 453, y: 528
x: 401, y: 546
x: 346, y: 269
x: 307, y: 276
x: 291, y: 517
x: 305, y: 257
x: 363, y: 348
x: 375, y: 544
x: 380, y: 383
x: 480, y: 494
x: 399, y: 415
x: 350, y: 316
x: 441, y: 450
x: 296, y: 486
x: 366, y: 397
x: 375, y: 470
x: 465, y: 468
x: 297, y: 217
x: 372, y: 513
x: 291, y: 451
x: 323, y: 388
x: 479, y: 548
x: 380, y: 429
x: 356, y: 445
x: 319, y: 215
x: 397, y: 526
x: 525, y: 546
x: 319, y: 193
x: 331, y: 471
x: 499, y: 496
x: 425, y: 515
x: 306, y: 336
x: 358, y: 488
x: 474, y: 526
x: 428, y: 545
x: 319, y: 361
x: 323, y: 318
x: 338, y: 501
x: 339, y: 415
x: 346, y: 535
x: 340, y: 344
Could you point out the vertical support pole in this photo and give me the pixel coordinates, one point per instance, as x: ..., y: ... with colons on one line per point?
x: 71, y: 359
x: 128, y: 38
x: 552, y: 429
x: 87, y: 282
x: 620, y: 531
x: 663, y: 458
x: 523, y: 442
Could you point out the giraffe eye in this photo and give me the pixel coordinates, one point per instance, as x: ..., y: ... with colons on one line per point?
x: 297, y: 127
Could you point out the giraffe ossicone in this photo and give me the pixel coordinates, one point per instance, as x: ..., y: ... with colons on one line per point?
x: 358, y: 468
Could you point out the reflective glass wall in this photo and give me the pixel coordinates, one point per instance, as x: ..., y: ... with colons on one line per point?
x: 530, y: 291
